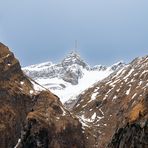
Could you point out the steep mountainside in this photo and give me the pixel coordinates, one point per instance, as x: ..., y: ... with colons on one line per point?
x: 70, y: 77
x: 33, y: 119
x: 15, y: 99
x: 115, y: 110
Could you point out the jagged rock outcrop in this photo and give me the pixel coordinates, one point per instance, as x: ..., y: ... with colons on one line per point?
x: 117, y: 102
x: 73, y: 65
x: 37, y: 119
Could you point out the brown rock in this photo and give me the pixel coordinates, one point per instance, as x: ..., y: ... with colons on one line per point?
x: 50, y: 125
x: 14, y: 103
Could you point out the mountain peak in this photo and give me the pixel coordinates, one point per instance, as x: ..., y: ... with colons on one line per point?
x: 73, y: 55
x: 74, y: 58
x: 117, y: 65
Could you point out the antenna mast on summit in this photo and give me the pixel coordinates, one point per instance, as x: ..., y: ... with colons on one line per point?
x: 76, y: 45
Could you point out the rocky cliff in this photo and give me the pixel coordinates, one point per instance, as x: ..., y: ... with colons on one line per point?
x: 29, y: 118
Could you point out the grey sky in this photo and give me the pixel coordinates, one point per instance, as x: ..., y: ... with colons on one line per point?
x: 107, y: 30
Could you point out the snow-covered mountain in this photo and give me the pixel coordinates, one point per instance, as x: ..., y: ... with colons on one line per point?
x: 70, y: 77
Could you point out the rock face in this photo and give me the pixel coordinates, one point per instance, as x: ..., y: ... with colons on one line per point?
x: 37, y: 119
x: 50, y: 125
x: 116, y: 107
x: 132, y: 135
x: 15, y: 100
x: 73, y: 67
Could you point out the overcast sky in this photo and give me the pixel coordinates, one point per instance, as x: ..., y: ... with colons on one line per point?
x: 107, y: 30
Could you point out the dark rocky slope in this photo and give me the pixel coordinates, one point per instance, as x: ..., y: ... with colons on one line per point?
x: 133, y: 135
x: 37, y: 118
